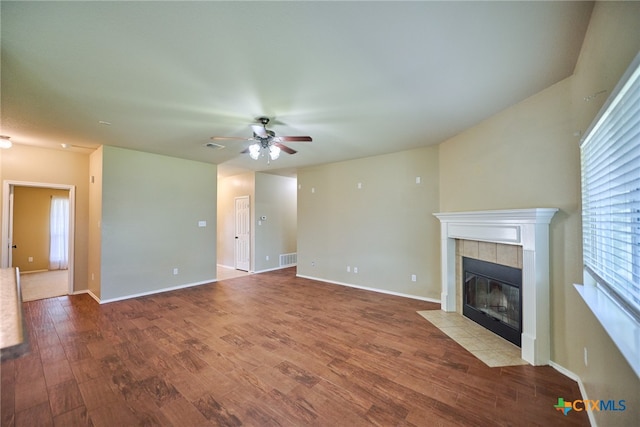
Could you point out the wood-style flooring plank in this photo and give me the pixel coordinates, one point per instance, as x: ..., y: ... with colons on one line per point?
x: 262, y: 350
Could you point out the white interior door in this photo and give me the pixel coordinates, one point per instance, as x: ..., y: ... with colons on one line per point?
x: 243, y: 233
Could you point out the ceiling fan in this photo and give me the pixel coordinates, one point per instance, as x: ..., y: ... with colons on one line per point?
x: 266, y: 141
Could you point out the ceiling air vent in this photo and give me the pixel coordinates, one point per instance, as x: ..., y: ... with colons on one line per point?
x: 214, y: 146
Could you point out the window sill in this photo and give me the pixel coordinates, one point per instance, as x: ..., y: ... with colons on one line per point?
x: 623, y: 329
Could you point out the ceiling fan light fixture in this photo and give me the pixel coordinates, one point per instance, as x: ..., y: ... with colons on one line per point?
x: 254, y: 151
x: 274, y: 152
x: 264, y: 141
x: 5, y: 141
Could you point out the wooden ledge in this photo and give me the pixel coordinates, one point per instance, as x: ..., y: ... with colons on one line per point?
x: 13, y: 341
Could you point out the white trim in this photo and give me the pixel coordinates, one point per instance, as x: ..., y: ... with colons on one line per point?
x: 621, y: 327
x: 94, y: 296
x: 273, y: 269
x: 24, y: 273
x: 380, y: 291
x: 157, y: 291
x: 528, y: 228
x: 583, y: 392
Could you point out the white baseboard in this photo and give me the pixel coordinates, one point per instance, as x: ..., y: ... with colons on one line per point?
x: 567, y: 373
x: 94, y: 296
x: 156, y: 291
x: 22, y: 273
x: 282, y: 267
x: 381, y: 291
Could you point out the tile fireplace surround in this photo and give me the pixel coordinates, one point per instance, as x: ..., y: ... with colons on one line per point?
x: 528, y: 228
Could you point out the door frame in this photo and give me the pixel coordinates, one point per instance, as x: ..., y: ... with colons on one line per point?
x: 7, y: 220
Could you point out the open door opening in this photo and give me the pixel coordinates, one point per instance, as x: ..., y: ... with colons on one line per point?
x: 38, y: 230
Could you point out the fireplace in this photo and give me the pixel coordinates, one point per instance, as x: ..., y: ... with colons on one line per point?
x: 492, y: 297
x: 524, y: 228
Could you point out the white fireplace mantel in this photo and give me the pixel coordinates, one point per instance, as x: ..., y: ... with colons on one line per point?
x: 528, y: 228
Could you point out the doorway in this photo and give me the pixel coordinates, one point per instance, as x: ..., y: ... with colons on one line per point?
x: 41, y: 250
x: 243, y: 233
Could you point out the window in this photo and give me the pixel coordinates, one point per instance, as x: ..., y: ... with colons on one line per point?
x: 59, y: 233
x: 610, y: 155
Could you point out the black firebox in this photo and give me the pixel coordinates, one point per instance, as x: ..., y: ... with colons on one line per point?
x: 492, y: 297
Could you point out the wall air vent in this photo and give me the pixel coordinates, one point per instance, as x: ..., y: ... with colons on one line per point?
x: 287, y: 260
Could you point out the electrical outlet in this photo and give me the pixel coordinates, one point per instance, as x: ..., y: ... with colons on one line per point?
x: 413, y: 278
x: 586, y: 357
x: 313, y: 263
x: 348, y: 269
x: 355, y: 270
x: 267, y: 257
x: 175, y: 271
x: 30, y: 259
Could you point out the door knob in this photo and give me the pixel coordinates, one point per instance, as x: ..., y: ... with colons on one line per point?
x: 15, y: 246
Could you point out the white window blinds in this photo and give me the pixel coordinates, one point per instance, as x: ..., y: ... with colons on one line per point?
x: 610, y: 155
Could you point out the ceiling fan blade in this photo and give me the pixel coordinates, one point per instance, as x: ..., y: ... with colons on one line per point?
x: 285, y: 148
x: 234, y: 138
x: 295, y: 138
x: 260, y: 131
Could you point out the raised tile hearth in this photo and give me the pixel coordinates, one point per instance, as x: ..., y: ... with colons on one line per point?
x: 527, y: 228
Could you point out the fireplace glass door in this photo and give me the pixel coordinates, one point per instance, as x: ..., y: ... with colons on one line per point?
x: 492, y: 297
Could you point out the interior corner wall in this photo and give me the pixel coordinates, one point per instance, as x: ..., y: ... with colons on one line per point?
x: 40, y: 165
x: 275, y: 199
x: 528, y: 156
x: 372, y: 215
x: 228, y: 189
x: 151, y: 209
x: 95, y: 220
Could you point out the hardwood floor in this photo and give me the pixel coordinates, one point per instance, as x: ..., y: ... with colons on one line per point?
x: 263, y: 350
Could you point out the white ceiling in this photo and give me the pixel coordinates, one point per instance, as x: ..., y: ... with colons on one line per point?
x: 362, y: 78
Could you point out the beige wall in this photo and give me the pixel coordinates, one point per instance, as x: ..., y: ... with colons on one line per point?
x: 151, y: 207
x: 386, y: 228
x: 31, y: 226
x: 528, y: 156
x: 611, y: 42
x: 275, y: 198
x: 32, y: 164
